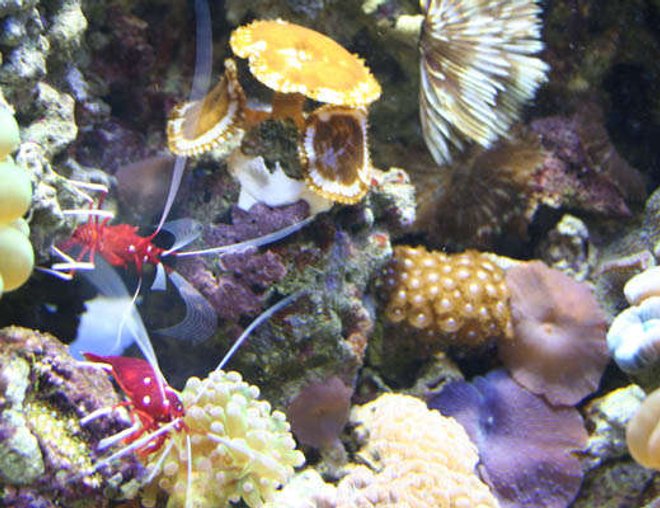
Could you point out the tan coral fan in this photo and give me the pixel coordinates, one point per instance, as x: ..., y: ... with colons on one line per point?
x: 643, y: 432
x: 423, y: 459
x: 477, y: 69
x: 290, y: 58
x: 199, y: 126
x: 462, y: 296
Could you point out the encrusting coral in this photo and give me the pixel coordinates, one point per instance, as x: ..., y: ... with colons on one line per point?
x: 643, y: 432
x: 559, y: 348
x: 46, y: 454
x: 240, y: 448
x: 477, y: 70
x: 525, y: 445
x: 452, y: 299
x: 582, y: 169
x: 421, y: 458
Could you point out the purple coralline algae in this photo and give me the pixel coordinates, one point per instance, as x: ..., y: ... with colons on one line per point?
x: 525, y: 445
x: 239, y: 282
x: 46, y: 454
x: 582, y: 169
x: 320, y: 411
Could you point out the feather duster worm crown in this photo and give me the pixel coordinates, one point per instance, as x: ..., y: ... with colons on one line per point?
x: 477, y: 69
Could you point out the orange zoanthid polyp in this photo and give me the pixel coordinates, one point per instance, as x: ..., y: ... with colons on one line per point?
x: 290, y: 58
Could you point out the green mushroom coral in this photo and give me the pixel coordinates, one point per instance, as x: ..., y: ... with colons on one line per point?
x: 240, y: 449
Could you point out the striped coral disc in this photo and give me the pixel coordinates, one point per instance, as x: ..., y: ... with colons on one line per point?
x: 335, y: 153
x: 199, y: 126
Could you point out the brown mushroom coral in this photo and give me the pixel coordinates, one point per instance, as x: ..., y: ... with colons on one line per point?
x: 335, y: 155
x: 292, y: 59
x: 559, y: 348
x: 216, y: 119
x: 643, y: 432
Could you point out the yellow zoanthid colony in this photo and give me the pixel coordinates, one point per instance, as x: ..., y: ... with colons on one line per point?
x: 457, y: 299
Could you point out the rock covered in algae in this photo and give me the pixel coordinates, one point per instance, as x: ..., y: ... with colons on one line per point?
x: 612, y: 479
x: 46, y: 454
x: 240, y: 448
x: 629, y: 250
x: 40, y: 41
x: 324, y: 332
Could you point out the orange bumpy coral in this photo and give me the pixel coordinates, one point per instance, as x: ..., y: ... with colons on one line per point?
x: 421, y: 458
x: 463, y: 297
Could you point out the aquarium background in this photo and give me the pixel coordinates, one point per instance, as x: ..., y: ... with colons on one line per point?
x: 445, y: 284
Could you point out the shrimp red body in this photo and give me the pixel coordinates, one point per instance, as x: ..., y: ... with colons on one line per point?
x: 119, y: 244
x: 151, y: 403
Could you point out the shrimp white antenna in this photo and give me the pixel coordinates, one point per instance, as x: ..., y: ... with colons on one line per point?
x: 135, y: 445
x: 200, y: 86
x: 109, y: 284
x: 267, y: 314
x: 253, y: 242
x: 264, y: 316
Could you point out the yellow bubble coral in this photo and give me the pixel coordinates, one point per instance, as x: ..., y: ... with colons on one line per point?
x: 461, y: 298
x: 422, y: 459
x: 16, y: 256
x: 9, y: 134
x: 15, y: 192
x: 240, y: 449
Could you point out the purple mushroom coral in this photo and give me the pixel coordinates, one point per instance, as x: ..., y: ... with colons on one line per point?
x: 525, y: 445
x: 559, y: 348
x: 320, y: 411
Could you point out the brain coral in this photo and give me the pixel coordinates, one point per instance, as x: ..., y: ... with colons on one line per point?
x: 240, y: 449
x: 449, y: 297
x: 423, y: 459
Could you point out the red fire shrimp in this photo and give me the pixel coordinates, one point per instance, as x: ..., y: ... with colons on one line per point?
x: 121, y: 245
x: 151, y: 402
x: 155, y: 408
